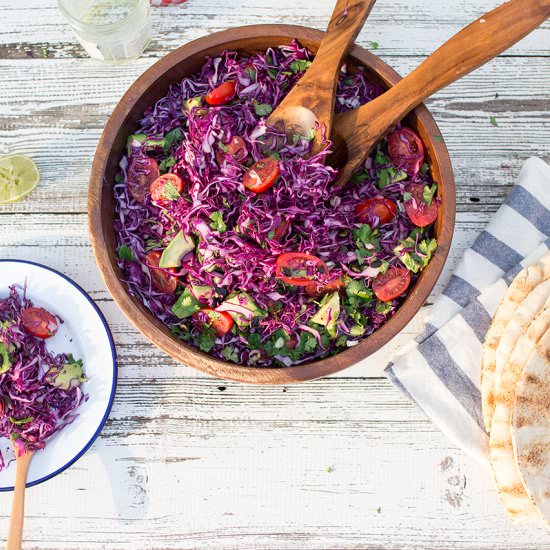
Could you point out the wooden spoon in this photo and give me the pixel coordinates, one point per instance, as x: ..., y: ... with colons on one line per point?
x: 360, y: 129
x: 15, y: 533
x: 310, y: 103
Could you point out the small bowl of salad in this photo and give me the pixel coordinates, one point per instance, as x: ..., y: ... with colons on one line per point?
x: 226, y: 243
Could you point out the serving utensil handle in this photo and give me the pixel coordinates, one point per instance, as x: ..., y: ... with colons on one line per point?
x: 467, y: 50
x: 15, y: 532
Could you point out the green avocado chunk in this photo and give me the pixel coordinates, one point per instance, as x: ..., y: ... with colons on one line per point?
x: 328, y: 313
x: 180, y: 246
x: 241, y: 300
x: 188, y: 104
x: 5, y: 362
x: 69, y: 376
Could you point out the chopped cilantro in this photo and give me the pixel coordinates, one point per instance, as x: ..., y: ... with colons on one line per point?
x: 223, y: 146
x: 119, y: 177
x: 207, y: 339
x: 357, y: 288
x: 383, y: 307
x: 378, y: 510
x: 186, y: 305
x: 381, y: 158
x: 230, y: 354
x: 493, y: 120
x: 166, y: 164
x: 152, y: 244
x: 358, y: 177
x: 300, y: 65
x: 125, y: 253
x: 272, y: 73
x: 387, y: 176
x: 173, y: 137
x: 262, y: 109
x: 254, y: 340
x: 374, y: 45
x: 425, y: 168
x: 415, y: 258
x: 407, y: 196
x: 217, y: 222
x: 271, y: 234
x: 181, y: 332
x: 330, y: 469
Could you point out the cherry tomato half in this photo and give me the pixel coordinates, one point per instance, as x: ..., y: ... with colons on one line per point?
x: 236, y: 148
x: 388, y: 286
x: 420, y: 213
x: 317, y: 289
x: 406, y: 150
x: 162, y: 281
x: 261, y: 175
x: 220, y: 321
x: 141, y: 173
x: 299, y: 269
x: 223, y: 94
x: 158, y: 187
x: 39, y: 322
x: 374, y: 211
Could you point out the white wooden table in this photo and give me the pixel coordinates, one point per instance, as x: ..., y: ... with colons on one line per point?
x: 186, y: 461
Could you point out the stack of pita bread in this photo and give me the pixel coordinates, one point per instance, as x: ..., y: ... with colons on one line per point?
x: 515, y: 389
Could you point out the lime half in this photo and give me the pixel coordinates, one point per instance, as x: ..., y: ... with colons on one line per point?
x: 18, y: 177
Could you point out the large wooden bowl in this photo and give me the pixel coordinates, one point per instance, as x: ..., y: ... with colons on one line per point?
x: 151, y: 86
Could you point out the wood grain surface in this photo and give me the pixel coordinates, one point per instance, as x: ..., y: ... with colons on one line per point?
x: 189, y: 462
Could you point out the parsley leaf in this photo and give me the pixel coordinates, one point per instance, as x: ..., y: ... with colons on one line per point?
x: 254, y: 340
x: 186, y: 305
x: 166, y: 164
x: 262, y: 109
x: 175, y: 136
x: 125, y: 253
x: 357, y: 288
x: 415, y: 258
x: 300, y: 65
x: 217, y: 222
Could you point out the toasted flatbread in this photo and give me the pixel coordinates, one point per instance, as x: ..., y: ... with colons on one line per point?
x: 531, y: 426
x: 524, y: 282
x: 512, y: 492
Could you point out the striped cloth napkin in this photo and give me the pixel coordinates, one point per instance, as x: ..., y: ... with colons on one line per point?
x: 440, y: 371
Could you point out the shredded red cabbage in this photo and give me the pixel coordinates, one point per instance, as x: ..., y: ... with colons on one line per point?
x: 238, y: 235
x: 39, y: 391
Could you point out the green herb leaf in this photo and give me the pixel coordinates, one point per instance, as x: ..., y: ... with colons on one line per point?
x: 425, y: 168
x: 300, y: 65
x: 359, y: 177
x: 251, y: 72
x: 217, y: 222
x: 383, y: 307
x: 271, y: 234
x: 357, y: 330
x: 125, y: 253
x: 357, y: 288
x: 207, y: 339
x: 21, y: 421
x: 415, y: 259
x: 493, y: 120
x: 230, y: 354
x: 166, y: 164
x: 119, y: 177
x: 254, y: 340
x: 173, y: 137
x: 272, y: 73
x: 374, y: 45
x: 429, y: 193
x: 381, y: 158
x: 186, y: 305
x: 387, y: 176
x: 262, y: 109
x: 170, y: 192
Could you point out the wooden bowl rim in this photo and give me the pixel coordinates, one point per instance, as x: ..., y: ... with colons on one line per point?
x: 159, y: 334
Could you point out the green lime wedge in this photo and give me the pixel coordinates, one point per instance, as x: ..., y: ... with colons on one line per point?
x: 18, y: 177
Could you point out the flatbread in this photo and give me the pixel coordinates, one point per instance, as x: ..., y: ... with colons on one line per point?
x: 531, y: 426
x: 524, y: 282
x: 509, y: 483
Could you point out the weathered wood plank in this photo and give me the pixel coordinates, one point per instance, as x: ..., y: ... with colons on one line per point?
x: 399, y: 28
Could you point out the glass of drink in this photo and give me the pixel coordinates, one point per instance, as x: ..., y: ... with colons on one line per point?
x: 110, y: 30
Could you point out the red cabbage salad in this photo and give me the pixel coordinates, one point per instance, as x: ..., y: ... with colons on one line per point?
x: 39, y: 391
x: 238, y: 241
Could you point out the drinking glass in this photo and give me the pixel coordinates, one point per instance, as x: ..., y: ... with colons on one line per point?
x: 110, y: 30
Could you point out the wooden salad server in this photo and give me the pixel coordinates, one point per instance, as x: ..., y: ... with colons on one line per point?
x: 310, y: 103
x: 360, y: 129
x: 15, y: 532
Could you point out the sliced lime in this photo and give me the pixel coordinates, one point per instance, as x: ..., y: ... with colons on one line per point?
x: 18, y: 177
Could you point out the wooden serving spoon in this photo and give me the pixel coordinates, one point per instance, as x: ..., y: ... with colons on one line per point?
x: 310, y: 103
x: 360, y: 129
x: 15, y: 533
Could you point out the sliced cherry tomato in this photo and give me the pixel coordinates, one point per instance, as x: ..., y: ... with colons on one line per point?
x: 406, y: 150
x: 159, y: 186
x: 223, y: 94
x: 162, y: 281
x: 220, y: 321
x: 282, y: 230
x: 236, y: 148
x: 261, y: 175
x: 39, y: 322
x: 376, y: 210
x: 299, y: 269
x: 420, y: 213
x: 141, y: 173
x: 388, y: 286
x: 318, y: 289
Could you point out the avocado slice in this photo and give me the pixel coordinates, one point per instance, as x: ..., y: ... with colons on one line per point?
x: 181, y: 245
x: 151, y: 145
x: 242, y: 308
x: 70, y: 375
x: 203, y: 293
x: 5, y: 362
x: 192, y: 102
x: 328, y: 313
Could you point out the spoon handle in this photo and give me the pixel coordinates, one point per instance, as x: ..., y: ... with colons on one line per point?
x: 15, y: 532
x: 467, y: 50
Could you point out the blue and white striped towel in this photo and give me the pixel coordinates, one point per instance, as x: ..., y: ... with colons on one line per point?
x: 440, y: 371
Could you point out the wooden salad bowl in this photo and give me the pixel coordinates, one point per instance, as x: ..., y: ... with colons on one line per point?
x: 153, y: 85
